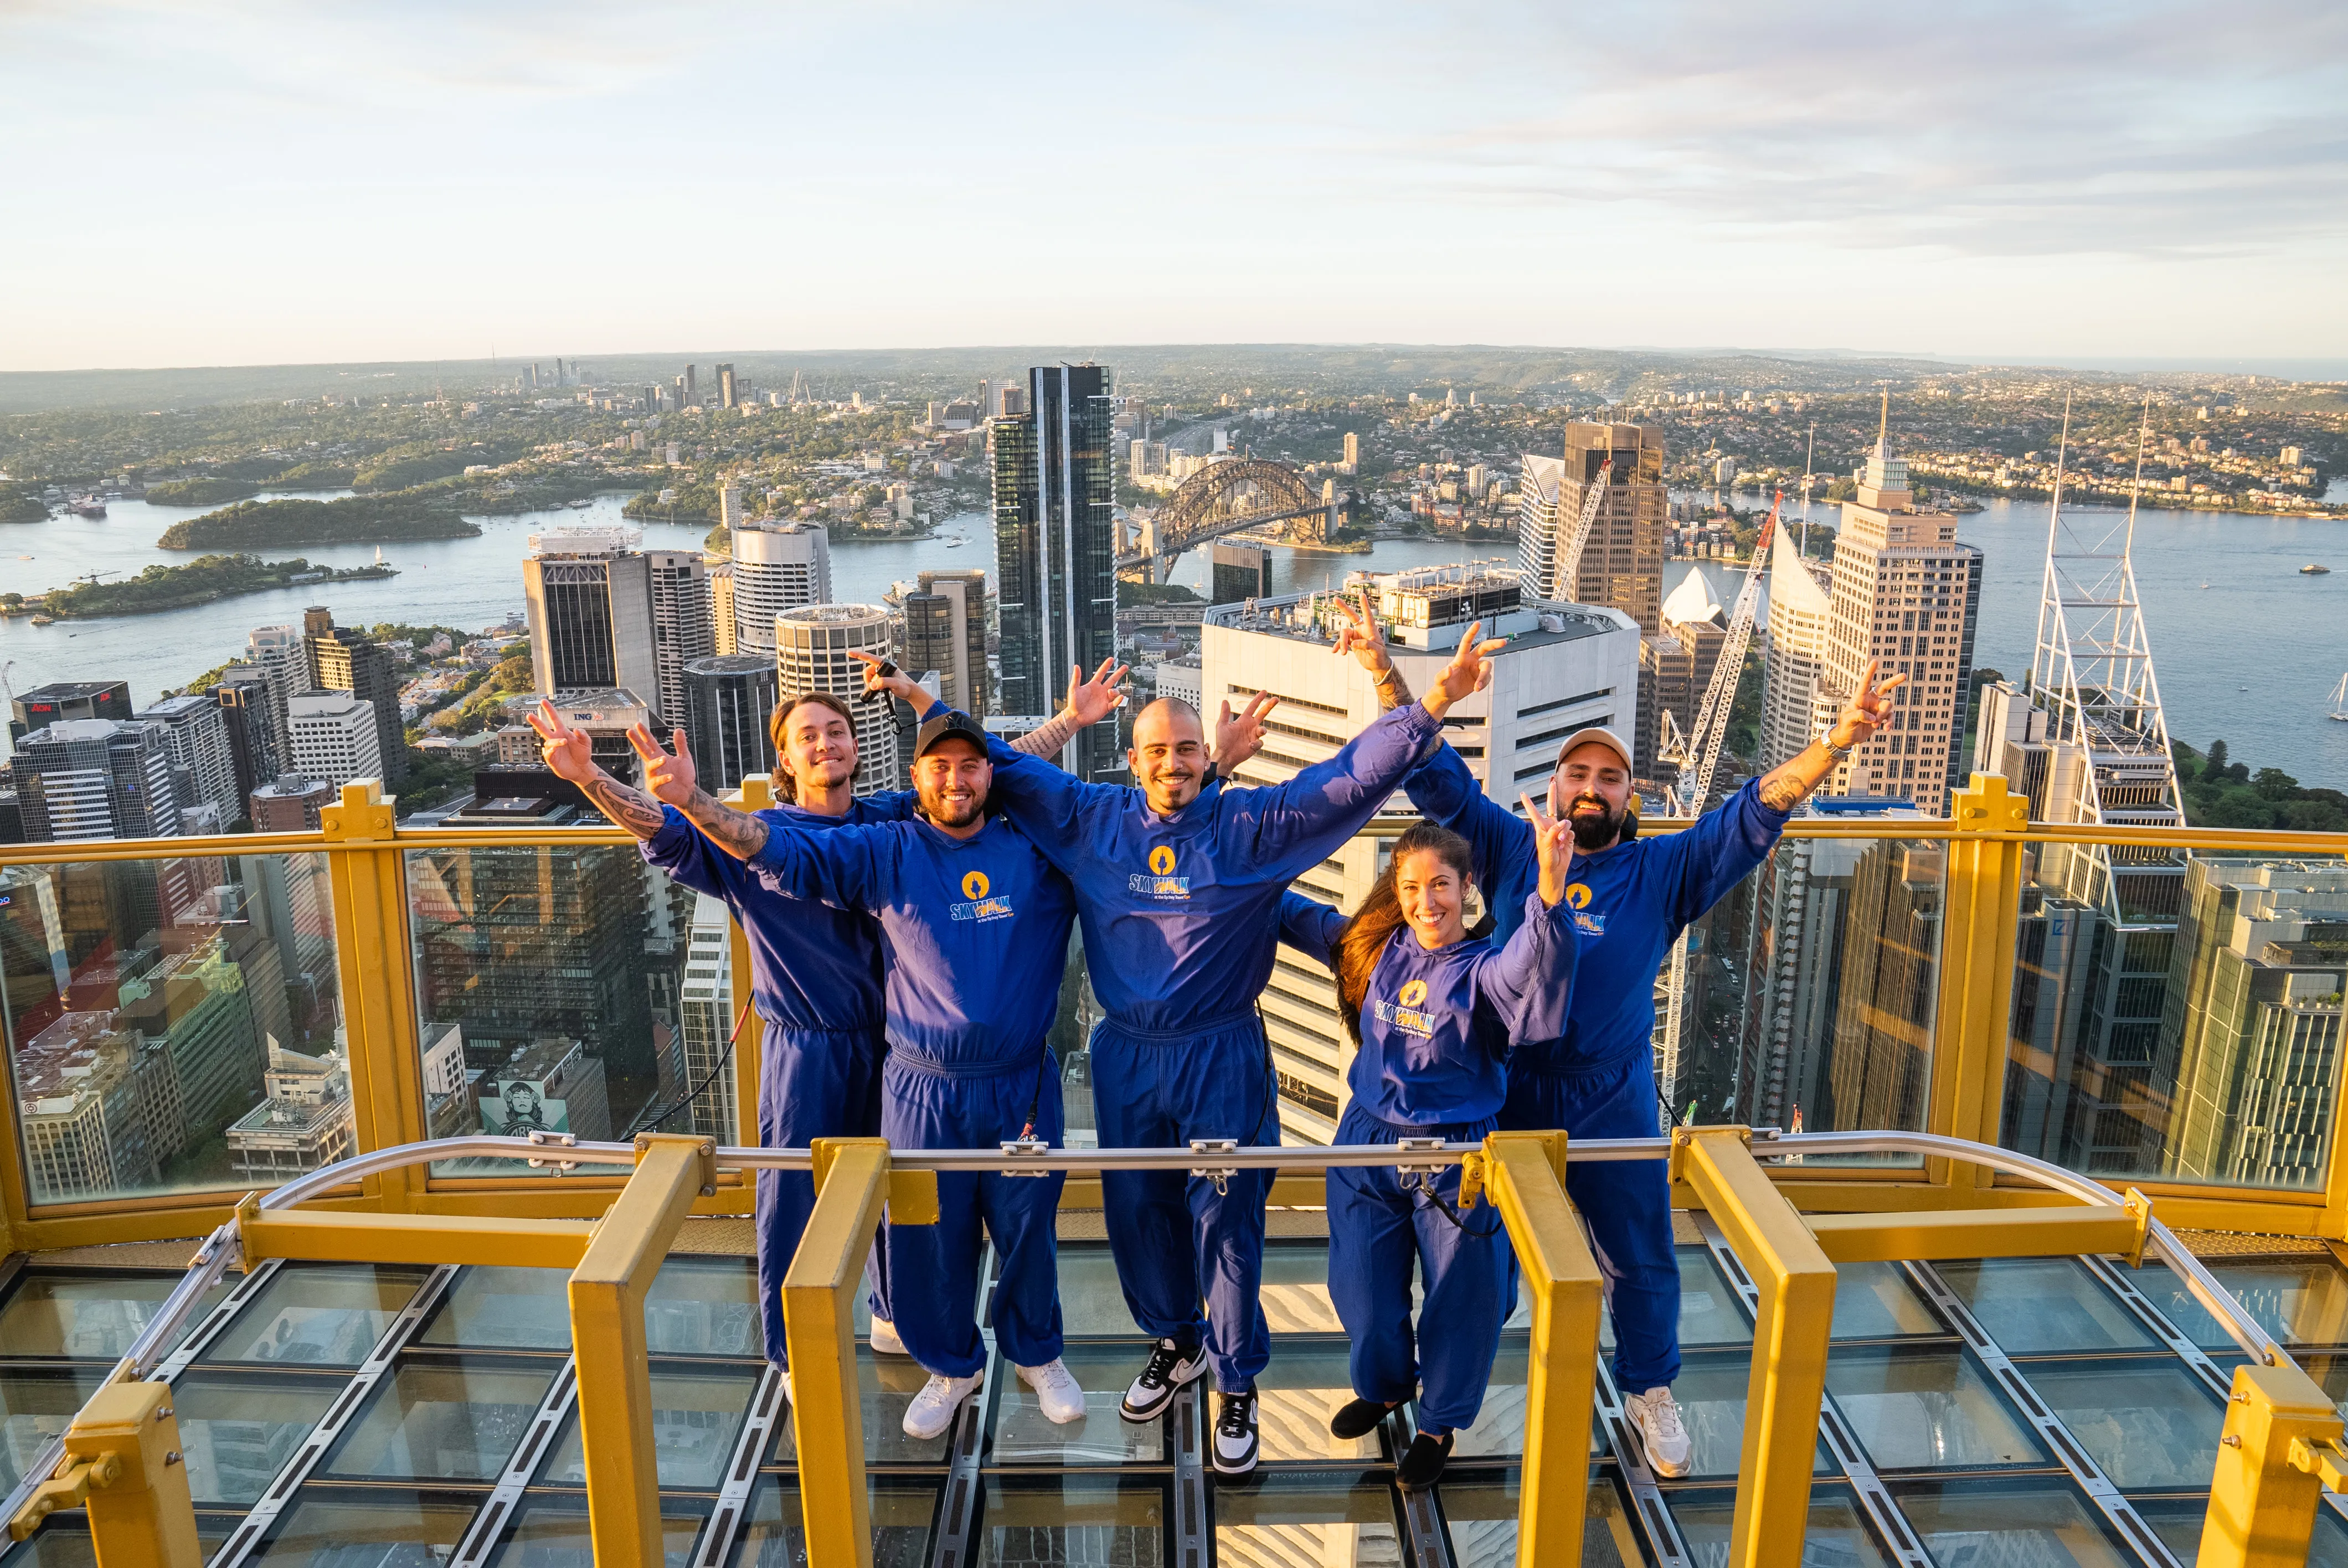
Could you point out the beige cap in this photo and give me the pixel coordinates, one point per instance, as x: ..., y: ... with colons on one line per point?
x: 1595, y: 735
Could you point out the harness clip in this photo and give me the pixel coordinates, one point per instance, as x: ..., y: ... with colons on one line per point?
x: 1220, y: 1176
x: 1025, y: 1148
x: 1420, y: 1174
x: 539, y: 1137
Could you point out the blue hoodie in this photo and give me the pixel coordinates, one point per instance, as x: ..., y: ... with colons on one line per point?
x: 1437, y: 1027
x: 1181, y: 913
x: 974, y: 932
x: 1630, y: 902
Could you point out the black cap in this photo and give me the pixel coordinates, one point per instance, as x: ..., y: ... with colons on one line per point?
x: 952, y: 722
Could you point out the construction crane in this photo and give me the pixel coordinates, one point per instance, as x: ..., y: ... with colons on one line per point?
x: 1697, y: 752
x: 1569, y: 555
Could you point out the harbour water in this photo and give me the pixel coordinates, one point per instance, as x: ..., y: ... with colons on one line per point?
x: 2251, y: 658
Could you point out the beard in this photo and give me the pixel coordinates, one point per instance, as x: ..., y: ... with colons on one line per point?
x: 952, y: 811
x: 1595, y: 830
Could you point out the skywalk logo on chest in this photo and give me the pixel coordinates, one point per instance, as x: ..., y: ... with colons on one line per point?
x: 1406, y: 1013
x: 1585, y: 920
x: 1161, y: 882
x: 980, y: 906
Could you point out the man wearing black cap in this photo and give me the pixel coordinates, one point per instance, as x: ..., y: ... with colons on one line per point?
x: 1632, y: 898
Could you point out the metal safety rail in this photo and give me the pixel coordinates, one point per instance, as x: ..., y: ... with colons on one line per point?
x: 120, y: 1457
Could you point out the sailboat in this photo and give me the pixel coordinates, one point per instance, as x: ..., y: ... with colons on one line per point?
x: 2340, y: 700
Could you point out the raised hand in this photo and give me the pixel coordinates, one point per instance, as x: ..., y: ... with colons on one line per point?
x: 669, y: 777
x: 1869, y: 710
x: 882, y: 678
x: 1090, y: 702
x: 1362, y: 636
x: 1553, y: 842
x: 568, y: 753
x: 1239, y: 736
x: 1469, y: 671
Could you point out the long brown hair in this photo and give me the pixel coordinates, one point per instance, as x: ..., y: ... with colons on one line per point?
x: 1380, y: 916
x: 777, y: 723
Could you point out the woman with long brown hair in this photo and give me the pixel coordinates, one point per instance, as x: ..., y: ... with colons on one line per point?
x: 1433, y: 1013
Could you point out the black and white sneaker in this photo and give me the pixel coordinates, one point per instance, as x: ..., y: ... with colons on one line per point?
x: 1235, y: 1440
x: 1171, y: 1368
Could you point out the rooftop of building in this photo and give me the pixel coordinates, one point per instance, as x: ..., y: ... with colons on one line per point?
x: 69, y: 690
x: 584, y: 541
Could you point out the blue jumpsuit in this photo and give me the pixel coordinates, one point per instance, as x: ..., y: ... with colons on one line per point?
x: 973, y: 941
x: 815, y: 980
x: 1597, y: 1079
x: 1436, y: 1029
x: 1181, y: 919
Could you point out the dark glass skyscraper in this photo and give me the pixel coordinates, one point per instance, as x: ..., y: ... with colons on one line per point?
x: 1056, y: 547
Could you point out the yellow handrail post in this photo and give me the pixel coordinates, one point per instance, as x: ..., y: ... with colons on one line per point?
x: 123, y: 1460
x: 1790, y: 1331
x: 370, y: 889
x: 2279, y: 1450
x: 607, y: 1332
x: 749, y: 1046
x: 1524, y: 1172
x: 1981, y: 916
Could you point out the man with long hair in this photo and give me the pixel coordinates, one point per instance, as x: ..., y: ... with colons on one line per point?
x: 815, y: 972
x: 1632, y: 898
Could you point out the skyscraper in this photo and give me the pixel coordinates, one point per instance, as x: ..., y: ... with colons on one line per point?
x: 44, y: 705
x: 812, y: 649
x: 1621, y: 561
x: 1675, y: 667
x: 945, y: 630
x: 81, y: 779
x: 334, y: 737
x: 243, y: 696
x: 588, y: 594
x: 682, y: 628
x: 278, y: 652
x: 707, y: 1021
x: 1793, y: 705
x: 725, y: 398
x: 1240, y: 571
x: 1352, y: 453
x: 729, y: 699
x: 1908, y: 595
x: 1056, y: 547
x: 719, y: 570
x: 778, y: 567
x: 196, y: 735
x: 342, y: 660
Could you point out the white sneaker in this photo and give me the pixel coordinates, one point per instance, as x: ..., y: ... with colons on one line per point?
x: 1057, y: 1393
x: 884, y: 1338
x: 786, y: 1387
x: 1655, y: 1417
x: 933, y: 1409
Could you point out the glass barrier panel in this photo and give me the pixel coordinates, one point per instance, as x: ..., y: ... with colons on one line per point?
x: 2176, y: 1017
x: 551, y: 995
x: 173, y: 1026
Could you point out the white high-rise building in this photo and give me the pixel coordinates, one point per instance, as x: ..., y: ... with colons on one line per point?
x: 1794, y: 702
x: 812, y: 649
x: 706, y: 1019
x: 778, y: 568
x: 195, y: 734
x: 1566, y: 666
x: 720, y: 571
x: 334, y: 737
x: 684, y: 624
x: 281, y: 655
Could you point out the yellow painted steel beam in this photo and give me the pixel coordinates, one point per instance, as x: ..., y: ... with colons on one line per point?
x: 1978, y: 1233
x: 358, y: 1237
x: 1525, y: 1174
x: 758, y: 793
x: 820, y: 1328
x: 2261, y: 1499
x: 1796, y: 1314
x: 369, y: 888
x: 607, y: 1335
x: 124, y: 1463
x: 1981, y: 911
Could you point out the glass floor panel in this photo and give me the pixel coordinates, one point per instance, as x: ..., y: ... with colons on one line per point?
x: 2008, y: 1524
x: 2331, y: 1371
x: 1479, y: 1513
x: 1024, y: 1435
x: 904, y: 1511
x: 1091, y: 1304
x: 698, y: 1413
x: 2178, y: 1522
x: 1711, y: 1394
x: 890, y: 1383
x: 61, y: 1543
x: 1306, y: 1384
x: 2166, y: 1290
x: 1043, y: 1521
x: 88, y: 1317
x: 2145, y: 1423
x: 1835, y: 1537
x: 439, y: 1420
x: 704, y: 1307
x: 1710, y: 1310
x: 550, y: 1531
x: 2299, y: 1300
x: 1296, y: 1289
x: 1878, y: 1301
x: 318, y: 1313
x: 2044, y: 1306
x: 1499, y: 1431
x: 240, y: 1428
x: 1347, y: 1520
x: 503, y: 1309
x: 1930, y: 1408
x: 329, y: 1527
x: 36, y: 1407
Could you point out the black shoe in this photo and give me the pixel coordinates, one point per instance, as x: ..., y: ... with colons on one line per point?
x: 1171, y: 1367
x: 1359, y: 1419
x: 1235, y: 1440
x: 1422, y: 1467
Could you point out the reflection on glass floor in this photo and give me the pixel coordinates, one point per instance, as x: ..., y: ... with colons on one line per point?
x: 457, y: 1442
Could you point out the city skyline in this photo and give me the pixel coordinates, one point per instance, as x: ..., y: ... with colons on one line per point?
x: 1735, y: 179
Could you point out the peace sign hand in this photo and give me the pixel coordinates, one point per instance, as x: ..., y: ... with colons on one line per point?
x: 1869, y: 710
x: 1362, y: 636
x: 568, y: 753
x: 1469, y: 671
x: 1239, y: 736
x: 1553, y: 841
x: 1090, y: 702
x: 668, y: 778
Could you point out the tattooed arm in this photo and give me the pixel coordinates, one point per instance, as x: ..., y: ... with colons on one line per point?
x: 569, y: 756
x: 1365, y: 640
x: 670, y: 776
x: 1786, y: 786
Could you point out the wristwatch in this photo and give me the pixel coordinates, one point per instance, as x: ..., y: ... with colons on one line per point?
x: 1839, y: 754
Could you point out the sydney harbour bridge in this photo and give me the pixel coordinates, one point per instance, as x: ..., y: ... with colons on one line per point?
x: 1226, y: 497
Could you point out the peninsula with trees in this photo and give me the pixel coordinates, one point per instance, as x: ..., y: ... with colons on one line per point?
x: 352, y: 520
x: 162, y: 588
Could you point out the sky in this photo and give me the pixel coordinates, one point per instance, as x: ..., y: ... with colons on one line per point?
x: 268, y: 181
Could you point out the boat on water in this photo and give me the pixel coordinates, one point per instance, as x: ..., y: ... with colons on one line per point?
x: 579, y: 505
x: 2313, y: 569
x: 953, y: 544
x: 87, y: 507
x: 2340, y: 700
